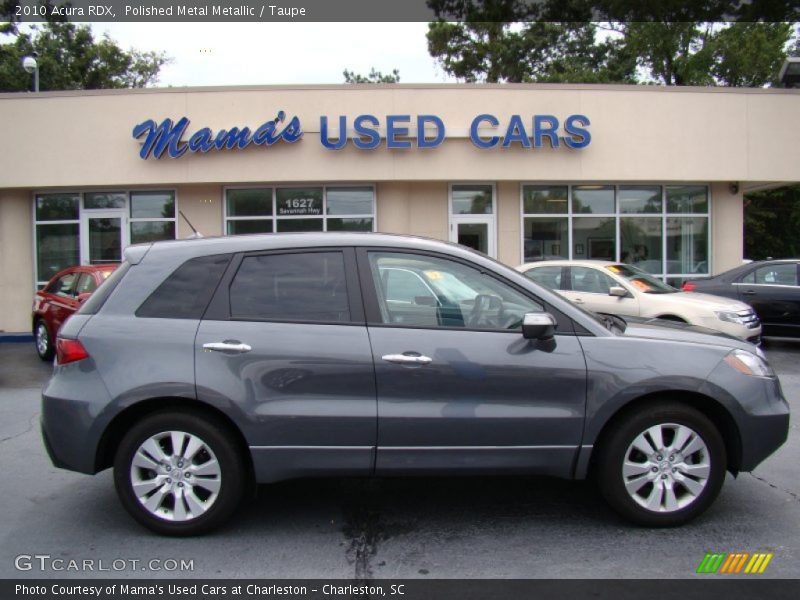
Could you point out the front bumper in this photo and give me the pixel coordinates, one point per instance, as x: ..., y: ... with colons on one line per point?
x: 760, y: 412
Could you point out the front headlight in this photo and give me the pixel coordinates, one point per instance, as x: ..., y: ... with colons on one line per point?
x: 749, y: 363
x: 740, y: 318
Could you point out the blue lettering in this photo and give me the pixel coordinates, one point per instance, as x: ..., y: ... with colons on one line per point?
x: 265, y: 135
x: 373, y: 137
x: 393, y: 131
x: 323, y: 133
x: 516, y: 133
x: 161, y: 138
x: 582, y: 134
x: 201, y: 141
x: 476, y: 138
x: 540, y: 131
x: 422, y: 141
x: 233, y: 138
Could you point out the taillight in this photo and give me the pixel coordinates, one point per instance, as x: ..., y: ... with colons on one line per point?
x: 68, y: 351
x: 689, y: 286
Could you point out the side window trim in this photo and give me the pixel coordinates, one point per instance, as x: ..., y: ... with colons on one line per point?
x: 372, y: 310
x: 219, y: 307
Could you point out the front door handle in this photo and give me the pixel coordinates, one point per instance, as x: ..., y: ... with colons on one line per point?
x: 408, y: 359
x: 749, y: 293
x: 228, y: 347
x: 579, y: 301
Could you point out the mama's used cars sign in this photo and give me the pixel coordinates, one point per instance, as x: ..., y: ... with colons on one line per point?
x: 367, y: 133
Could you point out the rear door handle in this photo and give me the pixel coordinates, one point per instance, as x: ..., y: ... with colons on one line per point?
x: 749, y: 293
x: 408, y: 359
x: 579, y: 301
x: 228, y: 347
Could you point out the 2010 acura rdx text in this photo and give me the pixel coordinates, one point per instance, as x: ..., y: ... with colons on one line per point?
x: 202, y: 366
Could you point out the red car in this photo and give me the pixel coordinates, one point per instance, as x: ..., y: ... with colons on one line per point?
x: 62, y: 296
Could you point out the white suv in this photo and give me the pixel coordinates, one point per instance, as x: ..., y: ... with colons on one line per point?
x: 621, y: 289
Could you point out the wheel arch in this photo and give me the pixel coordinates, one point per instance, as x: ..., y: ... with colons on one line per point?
x: 115, y: 430
x: 672, y: 317
x: 708, y: 406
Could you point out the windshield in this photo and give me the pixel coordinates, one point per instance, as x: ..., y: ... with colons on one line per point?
x: 641, y: 280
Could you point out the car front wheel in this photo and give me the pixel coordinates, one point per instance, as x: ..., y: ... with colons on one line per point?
x: 44, y: 345
x: 662, y: 466
x: 179, y: 474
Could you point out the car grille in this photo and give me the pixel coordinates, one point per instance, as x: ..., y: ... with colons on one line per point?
x: 749, y: 318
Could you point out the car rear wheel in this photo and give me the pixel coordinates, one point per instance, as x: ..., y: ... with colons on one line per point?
x: 179, y: 473
x: 44, y: 344
x: 662, y: 466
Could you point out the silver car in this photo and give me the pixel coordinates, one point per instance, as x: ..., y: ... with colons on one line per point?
x: 203, y: 366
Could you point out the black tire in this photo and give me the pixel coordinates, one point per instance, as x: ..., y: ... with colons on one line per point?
x: 47, y: 350
x: 614, y: 449
x: 219, y: 444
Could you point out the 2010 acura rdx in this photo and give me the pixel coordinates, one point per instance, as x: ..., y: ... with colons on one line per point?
x: 202, y: 366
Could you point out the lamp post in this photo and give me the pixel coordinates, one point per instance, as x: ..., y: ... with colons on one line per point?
x: 31, y: 66
x: 790, y: 72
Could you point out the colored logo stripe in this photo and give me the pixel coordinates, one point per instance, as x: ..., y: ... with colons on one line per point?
x: 731, y: 563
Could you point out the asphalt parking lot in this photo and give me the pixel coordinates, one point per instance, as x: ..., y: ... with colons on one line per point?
x: 388, y: 528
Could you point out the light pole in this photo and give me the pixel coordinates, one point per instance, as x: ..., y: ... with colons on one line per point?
x: 31, y: 66
x: 790, y: 72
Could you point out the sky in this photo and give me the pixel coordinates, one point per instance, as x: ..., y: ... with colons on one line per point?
x: 207, y: 54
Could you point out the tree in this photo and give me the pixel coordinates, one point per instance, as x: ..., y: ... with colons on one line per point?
x: 771, y: 222
x: 519, y: 41
x: 373, y: 77
x: 70, y: 58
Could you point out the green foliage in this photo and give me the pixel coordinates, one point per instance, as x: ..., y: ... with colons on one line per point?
x: 771, y: 223
x: 70, y: 58
x: 373, y: 77
x: 517, y: 41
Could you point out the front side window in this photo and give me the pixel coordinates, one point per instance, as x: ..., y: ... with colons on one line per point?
x: 591, y: 281
x: 302, y: 286
x: 86, y: 284
x: 64, y: 286
x: 435, y: 292
x: 774, y: 275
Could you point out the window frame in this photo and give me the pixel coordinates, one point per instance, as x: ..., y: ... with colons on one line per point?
x: 274, y: 217
x: 372, y: 308
x: 741, y: 279
x: 219, y: 309
x: 617, y: 215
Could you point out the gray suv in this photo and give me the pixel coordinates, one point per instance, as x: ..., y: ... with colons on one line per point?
x: 201, y: 367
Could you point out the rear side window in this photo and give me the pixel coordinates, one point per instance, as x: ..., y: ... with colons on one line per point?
x: 101, y: 294
x: 186, y: 293
x: 303, y: 286
x: 86, y: 284
x: 549, y: 277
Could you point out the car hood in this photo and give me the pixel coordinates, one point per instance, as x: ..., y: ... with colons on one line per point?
x: 705, y: 301
x: 661, y: 329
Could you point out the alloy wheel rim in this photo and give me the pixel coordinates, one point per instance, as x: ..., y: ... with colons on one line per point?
x: 175, y: 476
x: 41, y: 339
x: 666, y: 467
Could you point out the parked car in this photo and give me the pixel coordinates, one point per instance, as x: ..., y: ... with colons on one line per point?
x: 770, y: 287
x: 621, y: 289
x: 59, y: 299
x: 269, y: 357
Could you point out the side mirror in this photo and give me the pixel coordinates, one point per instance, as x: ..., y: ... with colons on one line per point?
x: 618, y: 291
x: 538, y: 326
x: 83, y: 297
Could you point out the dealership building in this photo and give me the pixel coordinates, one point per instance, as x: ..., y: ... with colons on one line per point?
x: 647, y: 175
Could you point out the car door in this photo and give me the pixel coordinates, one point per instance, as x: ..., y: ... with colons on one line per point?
x: 459, y: 388
x: 62, y: 300
x: 589, y: 287
x: 773, y: 292
x: 284, y: 342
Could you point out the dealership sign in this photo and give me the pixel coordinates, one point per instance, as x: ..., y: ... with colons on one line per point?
x: 367, y: 133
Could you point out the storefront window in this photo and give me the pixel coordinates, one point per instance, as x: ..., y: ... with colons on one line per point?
x: 687, y: 245
x: 152, y: 231
x: 99, y: 200
x: 57, y: 207
x: 660, y: 229
x: 640, y: 199
x: 152, y: 216
x: 545, y: 238
x: 594, y: 199
x: 640, y: 242
x: 57, y: 247
x: 289, y: 209
x: 471, y: 199
x: 594, y: 238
